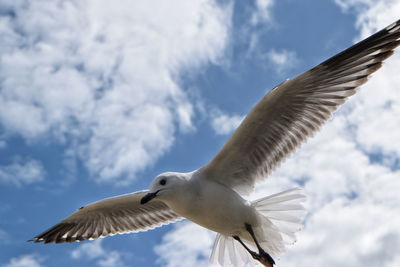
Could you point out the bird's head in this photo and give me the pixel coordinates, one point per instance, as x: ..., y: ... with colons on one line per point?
x: 165, y: 186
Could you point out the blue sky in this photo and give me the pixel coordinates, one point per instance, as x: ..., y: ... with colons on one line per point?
x: 98, y: 97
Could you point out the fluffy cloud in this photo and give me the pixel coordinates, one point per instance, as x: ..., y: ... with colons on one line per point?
x: 186, y: 245
x: 282, y: 60
x: 94, y: 251
x: 103, y: 78
x: 21, y: 172
x: 223, y: 123
x: 349, y: 170
x: 262, y: 11
x: 360, y: 234
x: 28, y: 260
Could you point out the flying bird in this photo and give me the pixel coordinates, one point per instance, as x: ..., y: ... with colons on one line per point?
x: 214, y: 195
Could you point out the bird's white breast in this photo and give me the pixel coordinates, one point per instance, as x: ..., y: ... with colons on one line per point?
x: 214, y: 206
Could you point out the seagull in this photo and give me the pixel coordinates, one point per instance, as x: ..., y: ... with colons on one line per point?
x: 213, y: 196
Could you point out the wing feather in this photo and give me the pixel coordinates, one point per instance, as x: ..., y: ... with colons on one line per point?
x: 122, y: 214
x: 294, y: 110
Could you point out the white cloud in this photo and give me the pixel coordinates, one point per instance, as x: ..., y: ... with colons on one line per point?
x: 103, y: 78
x: 377, y: 111
x: 22, y: 172
x: 372, y: 15
x: 377, y: 108
x: 282, y: 60
x: 348, y: 172
x: 251, y: 32
x: 262, y: 12
x: 223, y: 123
x: 27, y: 260
x: 186, y: 244
x: 94, y: 251
x: 346, y: 5
x: 347, y: 233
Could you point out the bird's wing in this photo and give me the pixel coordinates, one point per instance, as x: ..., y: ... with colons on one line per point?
x: 121, y: 214
x: 296, y: 109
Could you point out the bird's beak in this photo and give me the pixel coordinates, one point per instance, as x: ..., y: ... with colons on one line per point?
x: 148, y: 197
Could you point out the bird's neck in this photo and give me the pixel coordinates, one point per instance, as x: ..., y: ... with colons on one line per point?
x: 184, y: 194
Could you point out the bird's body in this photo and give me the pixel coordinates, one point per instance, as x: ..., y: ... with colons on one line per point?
x: 212, y: 205
x: 213, y: 196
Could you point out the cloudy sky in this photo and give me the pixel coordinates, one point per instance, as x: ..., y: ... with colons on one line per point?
x: 97, y: 97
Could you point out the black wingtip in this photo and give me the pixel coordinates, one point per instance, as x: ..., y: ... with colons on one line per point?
x: 395, y: 26
x: 33, y: 240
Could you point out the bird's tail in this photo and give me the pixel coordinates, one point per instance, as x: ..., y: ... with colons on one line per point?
x: 281, y: 216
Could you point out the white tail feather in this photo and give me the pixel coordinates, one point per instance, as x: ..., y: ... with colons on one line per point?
x: 229, y: 252
x: 281, y: 216
x: 285, y: 211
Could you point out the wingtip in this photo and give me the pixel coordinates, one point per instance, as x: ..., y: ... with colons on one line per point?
x: 395, y: 26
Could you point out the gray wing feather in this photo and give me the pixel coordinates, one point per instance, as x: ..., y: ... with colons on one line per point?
x: 117, y: 215
x: 294, y: 110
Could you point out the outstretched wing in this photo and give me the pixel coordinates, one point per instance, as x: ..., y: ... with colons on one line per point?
x: 296, y: 109
x: 121, y: 214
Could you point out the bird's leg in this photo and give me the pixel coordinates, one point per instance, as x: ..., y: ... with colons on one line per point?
x: 265, y: 258
x: 255, y: 255
x: 252, y: 253
x: 261, y: 256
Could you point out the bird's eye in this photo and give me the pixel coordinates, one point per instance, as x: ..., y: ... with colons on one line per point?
x: 163, y: 182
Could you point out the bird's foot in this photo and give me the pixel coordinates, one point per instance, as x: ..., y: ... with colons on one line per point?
x: 263, y: 259
x: 266, y: 259
x: 261, y: 256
